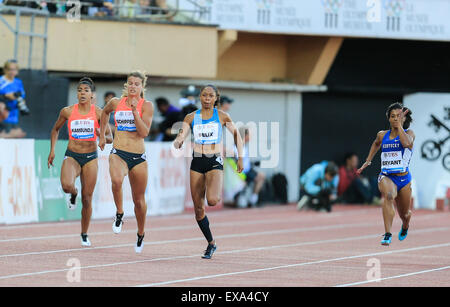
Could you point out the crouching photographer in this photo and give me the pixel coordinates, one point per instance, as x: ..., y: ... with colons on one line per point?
x: 318, y: 187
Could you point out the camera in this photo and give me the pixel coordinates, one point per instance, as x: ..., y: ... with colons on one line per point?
x: 21, y: 104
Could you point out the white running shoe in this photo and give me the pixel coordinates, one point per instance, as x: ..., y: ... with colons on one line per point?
x: 85, y: 240
x: 139, y: 244
x: 118, y: 222
x: 72, y: 203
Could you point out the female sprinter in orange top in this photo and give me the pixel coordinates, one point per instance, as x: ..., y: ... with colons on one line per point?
x: 207, y: 163
x: 81, y: 155
x: 133, y: 118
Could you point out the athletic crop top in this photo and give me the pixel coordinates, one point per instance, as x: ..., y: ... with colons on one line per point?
x: 82, y: 127
x: 123, y: 116
x: 394, y: 157
x: 207, y: 131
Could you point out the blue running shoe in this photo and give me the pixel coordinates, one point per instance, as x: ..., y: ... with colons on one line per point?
x: 387, y: 239
x: 209, y: 251
x: 402, y: 234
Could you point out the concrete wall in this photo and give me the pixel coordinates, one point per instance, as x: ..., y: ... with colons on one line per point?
x: 112, y: 47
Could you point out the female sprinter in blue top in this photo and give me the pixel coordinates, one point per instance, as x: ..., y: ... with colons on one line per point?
x: 207, y: 163
x: 394, y: 180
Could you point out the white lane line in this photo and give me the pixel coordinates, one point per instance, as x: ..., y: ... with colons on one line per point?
x: 268, y: 232
x: 169, y: 228
x: 152, y: 229
x: 394, y: 277
x: 198, y: 255
x: 191, y: 216
x: 293, y: 265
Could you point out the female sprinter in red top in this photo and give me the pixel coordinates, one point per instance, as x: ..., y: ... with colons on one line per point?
x: 206, y: 173
x: 133, y: 118
x: 394, y: 180
x: 81, y: 155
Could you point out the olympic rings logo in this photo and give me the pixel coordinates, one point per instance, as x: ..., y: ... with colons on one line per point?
x: 332, y: 6
x: 264, y: 4
x: 394, y: 7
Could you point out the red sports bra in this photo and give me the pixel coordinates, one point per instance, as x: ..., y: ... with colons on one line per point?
x: 123, y: 116
x: 82, y: 127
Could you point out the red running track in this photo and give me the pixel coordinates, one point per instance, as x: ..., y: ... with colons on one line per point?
x: 267, y: 247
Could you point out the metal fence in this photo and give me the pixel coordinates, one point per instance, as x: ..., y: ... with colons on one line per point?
x: 30, y: 35
x: 136, y: 9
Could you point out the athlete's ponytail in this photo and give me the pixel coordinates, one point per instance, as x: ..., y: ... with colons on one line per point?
x: 408, y: 118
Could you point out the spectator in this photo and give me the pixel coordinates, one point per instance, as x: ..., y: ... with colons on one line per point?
x: 94, y: 7
x: 225, y: 103
x: 352, y: 188
x: 161, y: 4
x: 252, y: 176
x: 144, y: 8
x: 171, y: 115
x: 101, y: 8
x: 13, y: 96
x: 129, y: 9
x: 188, y: 101
x: 319, y: 186
x: 106, y: 98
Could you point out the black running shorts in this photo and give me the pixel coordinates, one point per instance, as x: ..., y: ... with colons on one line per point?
x: 132, y: 159
x: 82, y: 159
x: 202, y: 163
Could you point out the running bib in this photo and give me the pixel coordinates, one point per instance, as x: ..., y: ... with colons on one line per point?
x: 206, y: 132
x: 125, y: 121
x: 82, y: 129
x: 393, y: 161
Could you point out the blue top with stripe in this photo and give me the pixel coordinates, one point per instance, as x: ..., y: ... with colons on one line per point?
x: 204, y: 131
x: 394, y: 157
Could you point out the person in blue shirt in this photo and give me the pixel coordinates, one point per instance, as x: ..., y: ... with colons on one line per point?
x: 12, y: 97
x: 319, y: 186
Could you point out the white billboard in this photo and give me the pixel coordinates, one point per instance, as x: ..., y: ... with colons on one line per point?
x: 18, y: 202
x: 395, y: 19
x: 430, y: 163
